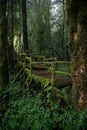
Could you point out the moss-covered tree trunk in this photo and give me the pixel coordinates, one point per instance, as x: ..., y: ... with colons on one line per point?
x: 4, y: 78
x: 77, y: 19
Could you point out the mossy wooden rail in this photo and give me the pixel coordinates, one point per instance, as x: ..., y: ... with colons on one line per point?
x: 39, y: 71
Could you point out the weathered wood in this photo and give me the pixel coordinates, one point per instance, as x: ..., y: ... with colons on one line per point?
x: 54, y: 59
x: 36, y: 68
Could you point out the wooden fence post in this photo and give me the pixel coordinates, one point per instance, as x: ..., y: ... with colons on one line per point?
x: 53, y: 73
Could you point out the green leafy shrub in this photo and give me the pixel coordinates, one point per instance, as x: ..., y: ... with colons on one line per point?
x: 24, y: 109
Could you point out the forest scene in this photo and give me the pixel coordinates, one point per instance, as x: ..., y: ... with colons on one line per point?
x: 43, y: 65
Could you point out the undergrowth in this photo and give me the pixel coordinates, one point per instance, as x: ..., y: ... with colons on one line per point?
x: 64, y: 68
x: 22, y: 108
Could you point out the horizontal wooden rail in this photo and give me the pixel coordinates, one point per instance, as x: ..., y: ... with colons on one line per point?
x: 57, y: 62
x: 29, y: 64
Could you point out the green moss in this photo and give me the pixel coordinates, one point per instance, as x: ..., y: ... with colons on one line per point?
x: 28, y: 63
x: 50, y: 59
x: 22, y: 56
x: 53, y: 74
x: 63, y: 73
x: 37, y: 79
x: 27, y: 71
x: 21, y: 64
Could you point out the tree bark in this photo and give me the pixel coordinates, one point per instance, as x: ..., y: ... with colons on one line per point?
x: 11, y: 33
x: 25, y: 32
x: 77, y: 19
x: 4, y: 78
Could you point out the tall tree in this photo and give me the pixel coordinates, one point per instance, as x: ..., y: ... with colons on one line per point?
x: 11, y: 32
x: 25, y: 33
x: 4, y: 78
x: 77, y: 19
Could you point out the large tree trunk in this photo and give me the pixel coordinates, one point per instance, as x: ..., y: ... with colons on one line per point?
x: 4, y: 78
x: 25, y: 33
x: 77, y: 19
x: 11, y: 33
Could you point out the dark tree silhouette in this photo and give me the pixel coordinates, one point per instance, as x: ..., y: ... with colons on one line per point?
x: 25, y: 33
x: 4, y: 78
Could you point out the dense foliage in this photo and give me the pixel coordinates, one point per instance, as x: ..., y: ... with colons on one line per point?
x: 29, y: 109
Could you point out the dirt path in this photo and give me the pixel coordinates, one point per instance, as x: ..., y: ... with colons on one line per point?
x: 59, y: 79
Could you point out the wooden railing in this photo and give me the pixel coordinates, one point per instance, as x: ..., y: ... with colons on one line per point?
x: 40, y: 63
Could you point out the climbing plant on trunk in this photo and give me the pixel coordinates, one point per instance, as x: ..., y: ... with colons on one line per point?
x: 77, y: 19
x: 4, y: 78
